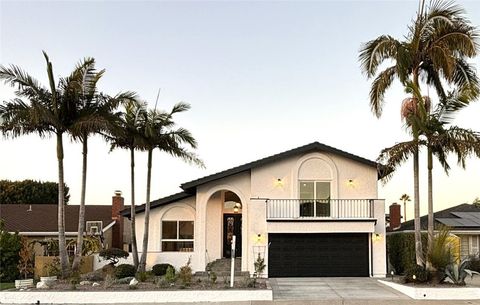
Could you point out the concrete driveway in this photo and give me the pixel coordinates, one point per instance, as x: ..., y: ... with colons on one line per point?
x: 336, y: 288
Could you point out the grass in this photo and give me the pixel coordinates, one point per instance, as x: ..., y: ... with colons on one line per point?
x: 4, y: 286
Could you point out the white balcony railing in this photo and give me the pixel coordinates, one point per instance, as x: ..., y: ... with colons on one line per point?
x: 319, y: 209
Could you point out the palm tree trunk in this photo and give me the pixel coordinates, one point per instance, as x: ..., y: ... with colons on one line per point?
x: 404, y: 211
x: 416, y: 187
x: 62, y: 245
x: 143, y: 259
x: 430, y: 204
x: 81, y: 208
x: 132, y: 208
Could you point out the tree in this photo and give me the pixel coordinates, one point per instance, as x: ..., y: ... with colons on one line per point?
x: 158, y: 131
x: 435, y: 51
x: 10, y: 246
x: 405, y: 198
x: 127, y: 136
x: 46, y: 111
x: 94, y: 113
x: 476, y: 201
x: 30, y: 192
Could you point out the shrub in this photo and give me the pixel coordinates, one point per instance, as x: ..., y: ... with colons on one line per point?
x: 170, y: 275
x: 160, y: 269
x: 440, y: 255
x: 474, y: 263
x: 401, y: 251
x: 27, y: 258
x: 420, y: 273
x: 259, y: 265
x: 124, y: 270
x: 141, y: 276
x: 113, y: 255
x: 10, y: 245
x: 185, y: 274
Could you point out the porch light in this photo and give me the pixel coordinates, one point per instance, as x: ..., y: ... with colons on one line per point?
x: 351, y: 183
x: 279, y: 182
x: 237, y: 207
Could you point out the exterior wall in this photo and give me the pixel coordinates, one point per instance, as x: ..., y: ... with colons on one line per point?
x: 182, y: 210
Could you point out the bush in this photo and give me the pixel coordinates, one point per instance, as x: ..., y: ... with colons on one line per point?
x: 124, y: 270
x: 113, y: 255
x: 421, y: 274
x: 170, y: 275
x: 474, y: 263
x: 10, y: 245
x: 160, y: 269
x: 401, y: 251
x: 185, y: 274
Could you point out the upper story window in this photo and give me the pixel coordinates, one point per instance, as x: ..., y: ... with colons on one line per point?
x: 94, y: 227
x: 314, y: 198
x: 177, y: 236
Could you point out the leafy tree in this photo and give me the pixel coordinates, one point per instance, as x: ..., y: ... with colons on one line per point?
x: 44, y: 111
x: 158, y: 131
x: 30, y: 192
x: 435, y: 50
x: 476, y: 201
x: 10, y: 245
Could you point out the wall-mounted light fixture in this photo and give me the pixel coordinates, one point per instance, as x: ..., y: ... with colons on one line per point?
x: 351, y: 183
x: 279, y: 182
x: 258, y: 238
x: 376, y: 237
x: 237, y: 207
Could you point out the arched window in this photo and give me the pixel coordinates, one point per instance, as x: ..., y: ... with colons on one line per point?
x: 315, y: 187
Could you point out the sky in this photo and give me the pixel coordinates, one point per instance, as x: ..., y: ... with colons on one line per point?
x: 261, y: 77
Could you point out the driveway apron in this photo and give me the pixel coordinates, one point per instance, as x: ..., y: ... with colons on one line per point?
x: 332, y: 288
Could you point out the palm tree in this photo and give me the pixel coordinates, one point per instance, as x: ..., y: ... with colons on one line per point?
x: 158, y: 131
x: 94, y: 113
x: 435, y: 51
x: 405, y: 198
x: 46, y: 111
x: 127, y: 136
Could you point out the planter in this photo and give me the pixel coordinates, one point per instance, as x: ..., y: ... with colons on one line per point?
x: 28, y: 283
x: 49, y: 280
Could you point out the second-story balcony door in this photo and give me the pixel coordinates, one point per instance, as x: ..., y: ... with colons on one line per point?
x: 314, y: 198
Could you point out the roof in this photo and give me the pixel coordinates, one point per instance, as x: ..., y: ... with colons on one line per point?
x: 43, y: 217
x: 461, y: 217
x: 315, y: 146
x: 190, y: 187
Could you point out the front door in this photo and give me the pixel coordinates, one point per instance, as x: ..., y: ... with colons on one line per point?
x: 232, y: 225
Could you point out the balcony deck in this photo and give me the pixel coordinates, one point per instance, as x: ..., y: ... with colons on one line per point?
x: 323, y: 209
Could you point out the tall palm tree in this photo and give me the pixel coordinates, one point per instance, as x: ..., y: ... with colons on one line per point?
x: 127, y: 136
x: 435, y: 50
x: 45, y: 111
x: 94, y: 113
x: 158, y: 131
x: 405, y: 198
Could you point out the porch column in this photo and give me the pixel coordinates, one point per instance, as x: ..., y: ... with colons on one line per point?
x: 379, y: 262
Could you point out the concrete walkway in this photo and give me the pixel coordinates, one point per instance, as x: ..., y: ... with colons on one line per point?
x: 332, y: 289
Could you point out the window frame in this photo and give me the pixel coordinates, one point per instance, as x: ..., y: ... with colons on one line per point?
x: 178, y: 239
x: 94, y: 224
x: 315, y: 200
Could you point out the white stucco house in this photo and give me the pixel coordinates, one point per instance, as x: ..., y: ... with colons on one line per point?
x: 310, y: 211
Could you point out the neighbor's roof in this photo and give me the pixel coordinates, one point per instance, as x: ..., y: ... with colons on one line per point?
x: 190, y: 187
x: 461, y: 217
x: 43, y: 217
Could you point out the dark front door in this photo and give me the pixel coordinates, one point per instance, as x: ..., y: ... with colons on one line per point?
x: 232, y: 225
x: 318, y: 255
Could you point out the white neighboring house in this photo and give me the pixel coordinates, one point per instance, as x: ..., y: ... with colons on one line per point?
x: 310, y: 211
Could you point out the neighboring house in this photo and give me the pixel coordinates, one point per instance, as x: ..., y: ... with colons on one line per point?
x: 309, y: 211
x: 463, y: 221
x: 39, y: 222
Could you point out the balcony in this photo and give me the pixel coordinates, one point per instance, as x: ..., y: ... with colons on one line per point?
x: 315, y: 209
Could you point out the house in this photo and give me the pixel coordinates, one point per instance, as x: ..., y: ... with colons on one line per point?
x: 310, y: 211
x: 39, y: 222
x: 463, y: 221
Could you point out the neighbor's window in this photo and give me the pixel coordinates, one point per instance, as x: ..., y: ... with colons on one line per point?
x: 94, y: 227
x: 177, y: 236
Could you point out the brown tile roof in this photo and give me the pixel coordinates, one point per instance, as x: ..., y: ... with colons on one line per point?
x: 43, y: 217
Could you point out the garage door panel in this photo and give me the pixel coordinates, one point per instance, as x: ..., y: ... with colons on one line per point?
x: 342, y: 254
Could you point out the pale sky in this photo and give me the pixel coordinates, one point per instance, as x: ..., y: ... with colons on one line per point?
x: 262, y: 77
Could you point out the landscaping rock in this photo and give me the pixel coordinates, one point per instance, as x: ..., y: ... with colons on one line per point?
x: 82, y: 283
x: 133, y: 282
x: 125, y: 280
x: 42, y: 285
x: 94, y: 276
x: 95, y: 284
